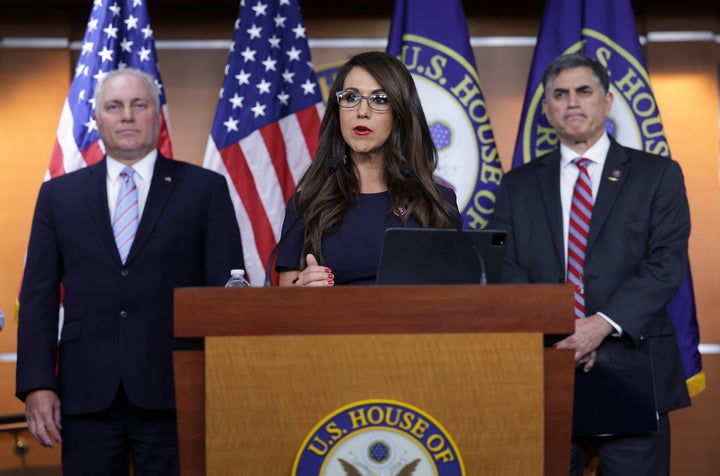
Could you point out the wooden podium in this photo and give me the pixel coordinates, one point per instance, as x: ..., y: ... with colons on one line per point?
x: 277, y: 361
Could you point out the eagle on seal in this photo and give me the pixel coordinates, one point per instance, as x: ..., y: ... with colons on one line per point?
x: 406, y: 470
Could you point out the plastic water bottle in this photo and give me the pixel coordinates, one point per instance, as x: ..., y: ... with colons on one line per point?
x: 237, y: 279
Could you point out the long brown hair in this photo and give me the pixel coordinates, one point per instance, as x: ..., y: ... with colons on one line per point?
x: 409, y: 143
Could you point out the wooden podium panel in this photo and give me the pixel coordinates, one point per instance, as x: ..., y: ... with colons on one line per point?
x: 394, y: 312
x: 484, y: 389
x: 374, y: 310
x: 189, y: 372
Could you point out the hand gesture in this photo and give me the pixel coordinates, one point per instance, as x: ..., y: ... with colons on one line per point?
x: 314, y: 274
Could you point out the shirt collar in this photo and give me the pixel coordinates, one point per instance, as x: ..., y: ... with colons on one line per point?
x: 143, y: 167
x: 596, y: 153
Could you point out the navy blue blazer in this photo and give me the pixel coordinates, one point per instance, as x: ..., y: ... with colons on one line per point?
x: 118, y: 319
x: 637, y: 250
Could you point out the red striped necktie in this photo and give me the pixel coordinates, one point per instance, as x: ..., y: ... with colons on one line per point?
x: 578, y: 230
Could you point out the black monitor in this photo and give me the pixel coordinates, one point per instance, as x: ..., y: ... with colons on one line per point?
x: 440, y: 256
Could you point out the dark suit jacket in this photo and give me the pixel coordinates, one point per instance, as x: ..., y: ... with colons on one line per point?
x: 118, y: 319
x: 637, y: 250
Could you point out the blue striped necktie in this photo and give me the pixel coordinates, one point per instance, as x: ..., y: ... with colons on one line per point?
x: 578, y: 230
x: 127, y: 214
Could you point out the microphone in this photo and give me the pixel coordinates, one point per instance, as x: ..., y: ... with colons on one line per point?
x: 333, y: 166
x: 408, y: 172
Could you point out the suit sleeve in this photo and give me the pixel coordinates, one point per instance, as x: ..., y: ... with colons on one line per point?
x: 223, y: 247
x: 653, y: 280
x: 502, y: 219
x: 38, y: 317
x: 289, y: 254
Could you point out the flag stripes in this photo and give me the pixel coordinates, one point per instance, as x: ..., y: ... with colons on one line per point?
x: 262, y: 177
x: 266, y: 124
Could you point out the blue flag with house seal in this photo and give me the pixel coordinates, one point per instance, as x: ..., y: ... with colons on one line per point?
x: 605, y: 30
x: 433, y: 42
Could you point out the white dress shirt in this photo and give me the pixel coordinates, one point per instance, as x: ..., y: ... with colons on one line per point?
x: 143, y: 177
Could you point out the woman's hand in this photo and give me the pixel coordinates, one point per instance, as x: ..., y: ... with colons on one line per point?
x: 312, y: 275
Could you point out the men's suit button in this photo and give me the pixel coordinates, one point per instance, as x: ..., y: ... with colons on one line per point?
x: 123, y: 314
x: 124, y: 272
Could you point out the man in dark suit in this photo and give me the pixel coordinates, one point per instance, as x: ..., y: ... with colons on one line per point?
x: 106, y: 390
x: 631, y: 259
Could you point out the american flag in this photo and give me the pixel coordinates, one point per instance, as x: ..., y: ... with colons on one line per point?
x: 118, y: 35
x: 266, y: 124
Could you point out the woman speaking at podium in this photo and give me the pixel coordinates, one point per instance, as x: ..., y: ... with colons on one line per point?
x: 373, y: 169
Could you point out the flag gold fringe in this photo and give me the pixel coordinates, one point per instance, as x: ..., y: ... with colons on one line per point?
x: 696, y: 383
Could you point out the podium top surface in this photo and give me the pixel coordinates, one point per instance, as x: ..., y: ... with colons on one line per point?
x: 216, y: 311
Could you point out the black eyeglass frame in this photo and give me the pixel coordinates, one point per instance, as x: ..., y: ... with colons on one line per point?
x: 370, y: 98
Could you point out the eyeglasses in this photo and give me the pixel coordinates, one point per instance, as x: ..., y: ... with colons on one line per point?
x: 350, y: 99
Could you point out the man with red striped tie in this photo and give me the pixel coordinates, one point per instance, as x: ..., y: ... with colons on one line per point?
x: 614, y: 223
x: 119, y: 236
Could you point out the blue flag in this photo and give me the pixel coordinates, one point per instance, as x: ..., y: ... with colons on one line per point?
x: 434, y: 44
x: 605, y: 30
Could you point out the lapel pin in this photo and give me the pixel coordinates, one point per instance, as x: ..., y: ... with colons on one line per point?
x: 615, y: 175
x: 168, y: 179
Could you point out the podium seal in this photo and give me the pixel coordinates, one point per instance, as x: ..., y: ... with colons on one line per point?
x: 378, y: 438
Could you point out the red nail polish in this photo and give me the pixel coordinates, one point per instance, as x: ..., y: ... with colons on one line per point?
x: 331, y: 282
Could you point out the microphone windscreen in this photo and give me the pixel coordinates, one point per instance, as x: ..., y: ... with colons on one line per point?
x: 407, y: 171
x: 334, y: 164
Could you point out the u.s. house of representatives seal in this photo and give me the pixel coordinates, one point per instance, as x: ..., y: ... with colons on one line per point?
x: 458, y: 118
x: 378, y: 438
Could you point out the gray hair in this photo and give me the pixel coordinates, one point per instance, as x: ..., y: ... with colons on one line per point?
x: 149, y: 80
x: 576, y: 60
